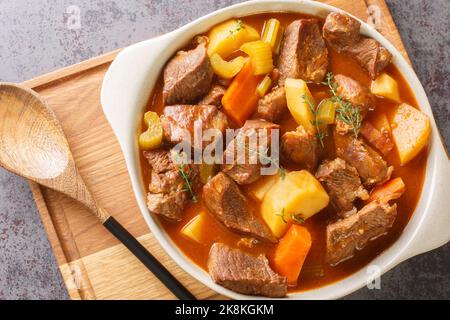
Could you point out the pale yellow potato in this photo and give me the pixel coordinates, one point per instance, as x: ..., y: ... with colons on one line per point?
x: 259, y: 188
x: 386, y: 86
x: 299, y: 193
x: 297, y: 96
x: 227, y: 37
x: 411, y: 130
x: 193, y: 228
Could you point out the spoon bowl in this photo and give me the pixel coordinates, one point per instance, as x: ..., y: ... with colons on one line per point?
x: 30, y: 132
x: 33, y: 145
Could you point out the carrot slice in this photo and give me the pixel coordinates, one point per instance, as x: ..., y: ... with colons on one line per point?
x: 291, y: 252
x: 241, y: 98
x: 391, y: 190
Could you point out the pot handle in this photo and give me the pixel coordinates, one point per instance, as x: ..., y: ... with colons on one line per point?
x: 435, y: 229
x: 127, y: 84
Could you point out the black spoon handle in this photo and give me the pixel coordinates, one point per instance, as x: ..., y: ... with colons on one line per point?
x: 148, y: 260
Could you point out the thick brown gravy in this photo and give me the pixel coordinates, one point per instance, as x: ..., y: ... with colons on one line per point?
x: 412, y: 174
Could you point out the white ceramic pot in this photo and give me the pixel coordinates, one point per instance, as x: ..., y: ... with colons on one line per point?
x: 126, y: 90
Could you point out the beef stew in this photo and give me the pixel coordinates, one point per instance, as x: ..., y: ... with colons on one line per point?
x: 332, y: 173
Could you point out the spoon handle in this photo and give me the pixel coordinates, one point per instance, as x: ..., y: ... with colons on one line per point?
x: 148, y: 259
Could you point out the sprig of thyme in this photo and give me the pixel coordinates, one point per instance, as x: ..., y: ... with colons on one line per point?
x: 346, y: 111
x: 187, y: 181
x: 282, y: 214
x: 317, y: 123
x: 296, y: 217
x: 185, y: 175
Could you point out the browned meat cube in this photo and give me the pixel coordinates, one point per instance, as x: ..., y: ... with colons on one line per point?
x: 303, y: 52
x: 341, y: 30
x: 342, y: 33
x: 301, y: 147
x: 244, y: 273
x: 272, y: 106
x: 381, y: 140
x: 370, y: 165
x: 342, y: 183
x: 179, y: 119
x: 355, y: 93
x: 244, y: 167
x: 352, y: 233
x: 167, y: 195
x: 371, y: 56
x: 187, y: 76
x: 214, y: 96
x: 228, y: 204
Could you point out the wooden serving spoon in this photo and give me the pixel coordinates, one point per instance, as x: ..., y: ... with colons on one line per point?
x: 33, y: 145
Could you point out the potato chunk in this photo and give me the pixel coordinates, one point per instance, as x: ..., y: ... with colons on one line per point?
x: 411, y: 130
x: 193, y: 228
x: 297, y: 96
x: 228, y: 37
x: 299, y: 194
x: 386, y: 86
x: 260, y: 188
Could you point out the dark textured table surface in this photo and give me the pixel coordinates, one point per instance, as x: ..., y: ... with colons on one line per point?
x: 40, y: 36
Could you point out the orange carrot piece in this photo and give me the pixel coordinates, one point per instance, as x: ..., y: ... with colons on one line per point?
x: 241, y: 98
x: 291, y: 252
x: 391, y: 190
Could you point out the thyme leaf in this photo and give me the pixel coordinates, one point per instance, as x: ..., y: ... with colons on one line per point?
x: 282, y: 215
x: 317, y: 123
x: 298, y: 218
x: 346, y: 111
x: 186, y: 175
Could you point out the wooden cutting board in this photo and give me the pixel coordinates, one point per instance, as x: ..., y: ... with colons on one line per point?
x: 92, y: 262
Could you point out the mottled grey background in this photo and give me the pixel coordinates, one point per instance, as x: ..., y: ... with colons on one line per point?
x: 35, y: 39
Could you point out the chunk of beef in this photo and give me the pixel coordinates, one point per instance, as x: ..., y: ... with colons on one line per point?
x: 371, y: 56
x: 342, y: 33
x: 353, y: 233
x: 228, y: 204
x: 179, y: 120
x: 381, y: 140
x: 272, y: 106
x: 167, y: 195
x: 355, y: 93
x: 301, y: 147
x: 342, y: 183
x: 160, y: 160
x: 244, y: 273
x: 214, y: 96
x: 241, y: 158
x: 187, y: 76
x: 370, y: 165
x: 303, y: 52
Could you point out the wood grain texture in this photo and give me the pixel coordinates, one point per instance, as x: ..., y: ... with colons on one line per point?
x: 382, y: 21
x: 80, y: 242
